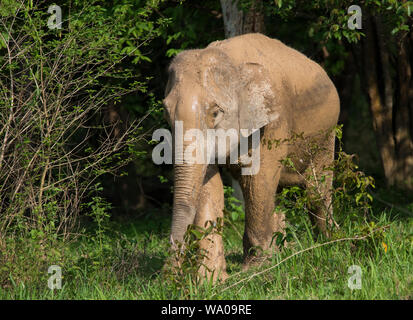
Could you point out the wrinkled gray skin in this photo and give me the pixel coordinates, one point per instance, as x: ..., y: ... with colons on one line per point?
x: 249, y: 82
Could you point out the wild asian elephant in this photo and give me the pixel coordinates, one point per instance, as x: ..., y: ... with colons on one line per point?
x: 249, y: 82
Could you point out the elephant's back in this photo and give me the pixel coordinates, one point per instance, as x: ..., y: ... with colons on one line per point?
x: 303, y: 80
x: 271, y: 53
x: 283, y: 62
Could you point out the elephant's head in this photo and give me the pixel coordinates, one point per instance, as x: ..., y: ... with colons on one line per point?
x: 206, y: 90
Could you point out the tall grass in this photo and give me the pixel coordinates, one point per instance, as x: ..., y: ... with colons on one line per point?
x: 134, y: 254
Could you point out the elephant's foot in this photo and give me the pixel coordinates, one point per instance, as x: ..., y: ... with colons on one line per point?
x: 212, y: 275
x: 213, y: 264
x: 259, y: 250
x: 214, y: 270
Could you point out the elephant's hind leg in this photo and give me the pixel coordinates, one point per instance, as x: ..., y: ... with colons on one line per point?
x: 319, y: 183
x: 210, y: 208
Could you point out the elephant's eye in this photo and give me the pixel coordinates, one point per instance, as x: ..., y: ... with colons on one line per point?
x: 215, y: 115
x: 216, y: 111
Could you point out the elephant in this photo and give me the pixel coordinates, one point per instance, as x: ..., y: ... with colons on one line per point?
x: 257, y: 83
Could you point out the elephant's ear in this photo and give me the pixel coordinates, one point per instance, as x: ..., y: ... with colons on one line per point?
x: 219, y: 78
x: 257, y: 101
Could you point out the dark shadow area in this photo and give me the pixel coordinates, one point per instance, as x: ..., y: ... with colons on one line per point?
x: 234, y: 258
x: 138, y: 263
x: 397, y: 204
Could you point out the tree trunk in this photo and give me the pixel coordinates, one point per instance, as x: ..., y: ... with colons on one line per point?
x: 403, y: 122
x: 237, y: 22
x: 389, y: 106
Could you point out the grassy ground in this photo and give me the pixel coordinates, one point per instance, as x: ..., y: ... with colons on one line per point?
x: 125, y: 263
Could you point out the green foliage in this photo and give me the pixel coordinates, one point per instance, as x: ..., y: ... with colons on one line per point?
x: 138, y: 251
x: 331, y: 17
x: 56, y: 141
x: 187, y: 259
x: 233, y: 207
x: 281, y: 239
x: 320, y: 29
x: 350, y: 192
x: 192, y: 25
x: 352, y: 186
x: 374, y: 238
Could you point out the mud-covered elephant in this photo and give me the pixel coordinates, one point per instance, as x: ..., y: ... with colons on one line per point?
x: 249, y: 82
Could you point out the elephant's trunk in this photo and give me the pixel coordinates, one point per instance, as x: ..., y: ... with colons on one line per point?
x: 188, y: 182
x: 188, y: 176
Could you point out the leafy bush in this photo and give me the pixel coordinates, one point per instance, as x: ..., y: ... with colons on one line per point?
x: 350, y: 191
x: 56, y: 140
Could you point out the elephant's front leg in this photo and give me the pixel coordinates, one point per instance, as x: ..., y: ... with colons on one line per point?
x: 210, y: 208
x: 260, y: 220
